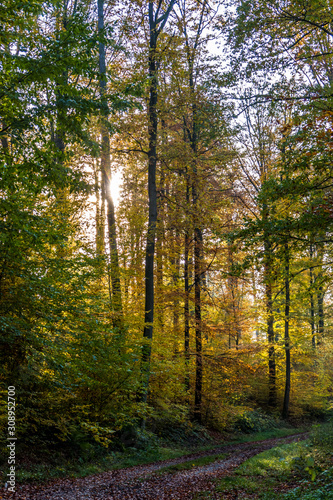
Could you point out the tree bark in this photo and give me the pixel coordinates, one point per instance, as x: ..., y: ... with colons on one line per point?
x: 192, y: 132
x: 270, y: 326
x: 198, y: 247
x: 4, y: 142
x: 175, y: 266
x: 160, y: 238
x: 152, y: 197
x: 106, y: 182
x: 320, y: 300
x: 285, y: 410
x: 312, y: 306
x: 187, y: 292
x: 198, y: 323
x: 156, y: 25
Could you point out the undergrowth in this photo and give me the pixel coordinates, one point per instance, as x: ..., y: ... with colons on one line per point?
x: 287, y: 472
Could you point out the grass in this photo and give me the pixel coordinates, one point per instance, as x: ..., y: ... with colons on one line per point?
x: 61, y: 466
x: 270, y: 434
x: 46, y: 467
x: 264, y: 472
x: 282, y: 473
x: 276, y: 461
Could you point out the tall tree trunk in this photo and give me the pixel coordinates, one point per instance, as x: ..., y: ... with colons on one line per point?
x: 175, y: 266
x: 198, y: 250
x: 152, y: 197
x: 270, y: 326
x: 285, y: 410
x: 160, y: 238
x: 312, y: 306
x: 320, y: 294
x: 156, y: 25
x: 192, y: 133
x: 235, y: 330
x: 320, y: 300
x: 106, y: 181
x: 198, y: 323
x: 100, y: 211
x: 186, y: 297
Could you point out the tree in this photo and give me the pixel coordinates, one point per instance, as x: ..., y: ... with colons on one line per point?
x: 157, y: 21
x: 258, y: 167
x: 192, y: 29
x: 106, y: 180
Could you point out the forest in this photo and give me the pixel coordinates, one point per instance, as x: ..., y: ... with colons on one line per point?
x: 166, y: 219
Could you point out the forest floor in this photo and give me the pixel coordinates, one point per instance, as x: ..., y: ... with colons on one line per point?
x: 193, y: 476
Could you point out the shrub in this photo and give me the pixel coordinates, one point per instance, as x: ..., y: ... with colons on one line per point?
x: 322, y: 436
x: 254, y: 421
x: 173, y: 425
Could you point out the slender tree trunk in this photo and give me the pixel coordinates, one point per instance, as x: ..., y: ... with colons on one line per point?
x: 198, y: 250
x: 100, y: 212
x: 186, y: 298
x: 160, y: 238
x: 312, y: 319
x: 156, y: 24
x: 285, y: 410
x: 175, y: 266
x: 106, y: 181
x: 192, y: 134
x: 98, y: 209
x: 270, y: 326
x: 198, y: 323
x: 152, y: 202
x: 320, y: 300
x: 235, y: 328
x: 320, y: 294
x: 312, y: 306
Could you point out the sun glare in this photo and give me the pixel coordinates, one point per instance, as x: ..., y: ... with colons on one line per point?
x: 116, y: 183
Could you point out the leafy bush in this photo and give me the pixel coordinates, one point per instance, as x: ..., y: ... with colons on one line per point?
x: 322, y: 436
x: 173, y: 424
x: 133, y: 437
x: 254, y: 421
x: 315, y: 411
x: 306, y: 465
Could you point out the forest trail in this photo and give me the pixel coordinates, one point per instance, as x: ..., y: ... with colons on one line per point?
x: 145, y: 483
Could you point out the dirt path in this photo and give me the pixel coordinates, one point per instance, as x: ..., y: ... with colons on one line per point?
x: 143, y: 483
